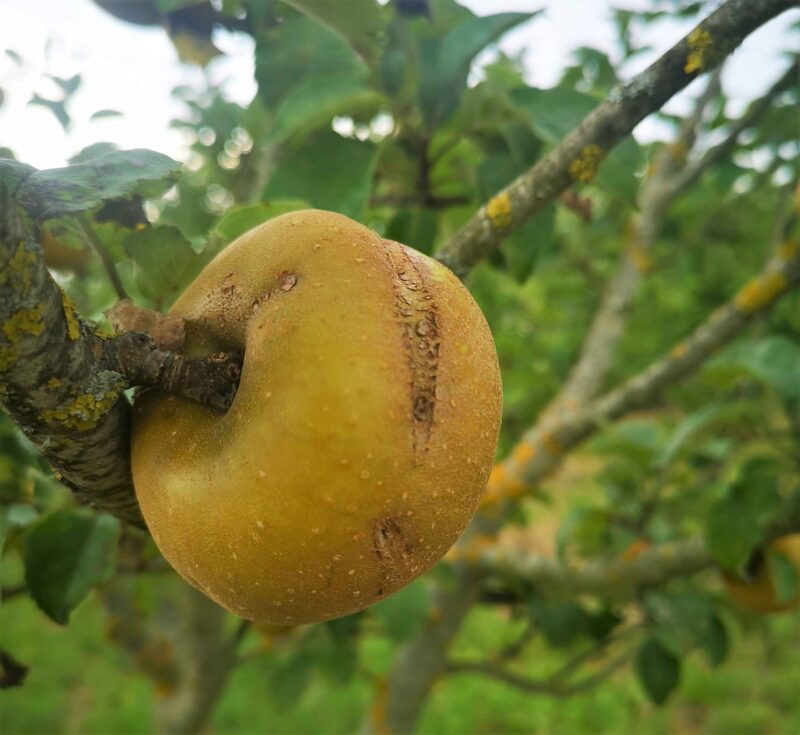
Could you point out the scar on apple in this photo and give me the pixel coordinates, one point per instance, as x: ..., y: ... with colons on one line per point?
x: 416, y: 311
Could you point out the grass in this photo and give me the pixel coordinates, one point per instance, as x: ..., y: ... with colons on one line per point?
x: 79, y: 684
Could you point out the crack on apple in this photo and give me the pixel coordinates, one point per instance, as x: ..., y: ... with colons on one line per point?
x: 415, y: 310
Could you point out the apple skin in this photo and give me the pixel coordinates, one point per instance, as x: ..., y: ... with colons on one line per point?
x: 759, y: 594
x: 361, y: 436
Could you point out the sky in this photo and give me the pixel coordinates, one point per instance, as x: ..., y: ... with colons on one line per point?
x: 133, y: 69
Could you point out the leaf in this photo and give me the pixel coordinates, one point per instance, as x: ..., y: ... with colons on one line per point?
x: 12, y: 175
x: 165, y: 262
x: 446, y: 61
x: 561, y: 622
x: 241, y: 219
x: 735, y: 524
x: 683, y: 620
x: 288, y: 681
x: 329, y: 172
x: 66, y: 555
x: 92, y: 151
x: 57, y: 107
x: 317, y: 101
x: 298, y: 50
x: 776, y: 361
x: 658, y: 670
x: 784, y: 577
x: 553, y: 112
x: 524, y: 248
x: 717, y: 643
x: 15, y: 57
x: 684, y: 431
x: 68, y: 86
x: 105, y: 113
x: 404, y: 613
x: 83, y: 186
x: 360, y: 22
x: 414, y: 227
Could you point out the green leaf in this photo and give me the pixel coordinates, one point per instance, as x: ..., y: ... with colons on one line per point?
x: 683, y: 621
x: 684, y: 431
x: 525, y: 248
x: 92, y: 151
x: 658, y: 670
x: 66, y: 555
x: 776, y: 361
x: 57, y: 107
x: 360, y: 22
x: 100, y: 114
x: 414, y: 227
x: 404, y: 613
x: 561, y: 622
x: 58, y: 191
x: 298, y: 50
x: 13, y: 174
x: 783, y: 576
x: 329, y: 172
x: 446, y: 61
x: 736, y: 523
x: 239, y: 220
x: 164, y: 262
x: 553, y: 112
x: 716, y: 643
x: 288, y: 681
x: 68, y: 86
x: 317, y: 101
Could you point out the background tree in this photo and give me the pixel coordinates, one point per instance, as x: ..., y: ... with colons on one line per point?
x: 641, y: 298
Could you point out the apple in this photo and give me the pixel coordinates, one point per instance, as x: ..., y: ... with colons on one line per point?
x: 361, y: 436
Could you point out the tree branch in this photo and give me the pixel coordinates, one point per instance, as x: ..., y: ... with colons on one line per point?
x: 63, y: 384
x: 542, y: 448
x: 617, y: 577
x: 578, y: 156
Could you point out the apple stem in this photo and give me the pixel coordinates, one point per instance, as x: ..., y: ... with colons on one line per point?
x: 211, y: 381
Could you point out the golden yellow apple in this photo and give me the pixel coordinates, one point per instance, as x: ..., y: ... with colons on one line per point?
x: 758, y: 593
x: 361, y: 436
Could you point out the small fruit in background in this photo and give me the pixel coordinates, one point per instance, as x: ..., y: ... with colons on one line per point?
x: 758, y: 590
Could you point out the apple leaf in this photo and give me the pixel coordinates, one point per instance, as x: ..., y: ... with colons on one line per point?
x: 54, y: 192
x: 658, y: 670
x: 66, y: 555
x: 360, y: 22
x: 328, y: 171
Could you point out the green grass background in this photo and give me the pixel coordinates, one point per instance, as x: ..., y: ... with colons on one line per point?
x: 81, y: 684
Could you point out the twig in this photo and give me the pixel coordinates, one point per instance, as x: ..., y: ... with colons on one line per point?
x: 550, y: 686
x: 578, y: 156
x: 542, y: 448
x: 96, y: 244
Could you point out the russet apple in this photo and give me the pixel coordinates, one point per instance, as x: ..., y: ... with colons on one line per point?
x: 361, y: 436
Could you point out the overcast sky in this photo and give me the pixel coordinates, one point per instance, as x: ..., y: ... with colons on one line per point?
x: 133, y: 69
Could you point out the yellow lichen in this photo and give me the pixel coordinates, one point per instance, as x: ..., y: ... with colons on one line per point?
x: 25, y: 321
x: 760, y: 292
x: 640, y: 258
x: 84, y: 412
x: 787, y: 251
x: 53, y: 383
x: 18, y: 271
x: 700, y: 50
x: 523, y: 453
x: 678, y: 351
x: 584, y: 167
x: 498, y: 210
x: 71, y: 315
x: 551, y: 444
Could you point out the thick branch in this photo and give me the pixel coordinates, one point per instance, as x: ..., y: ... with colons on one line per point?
x: 63, y: 385
x: 578, y: 156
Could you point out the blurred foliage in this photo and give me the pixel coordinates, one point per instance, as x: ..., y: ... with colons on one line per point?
x: 382, y: 113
